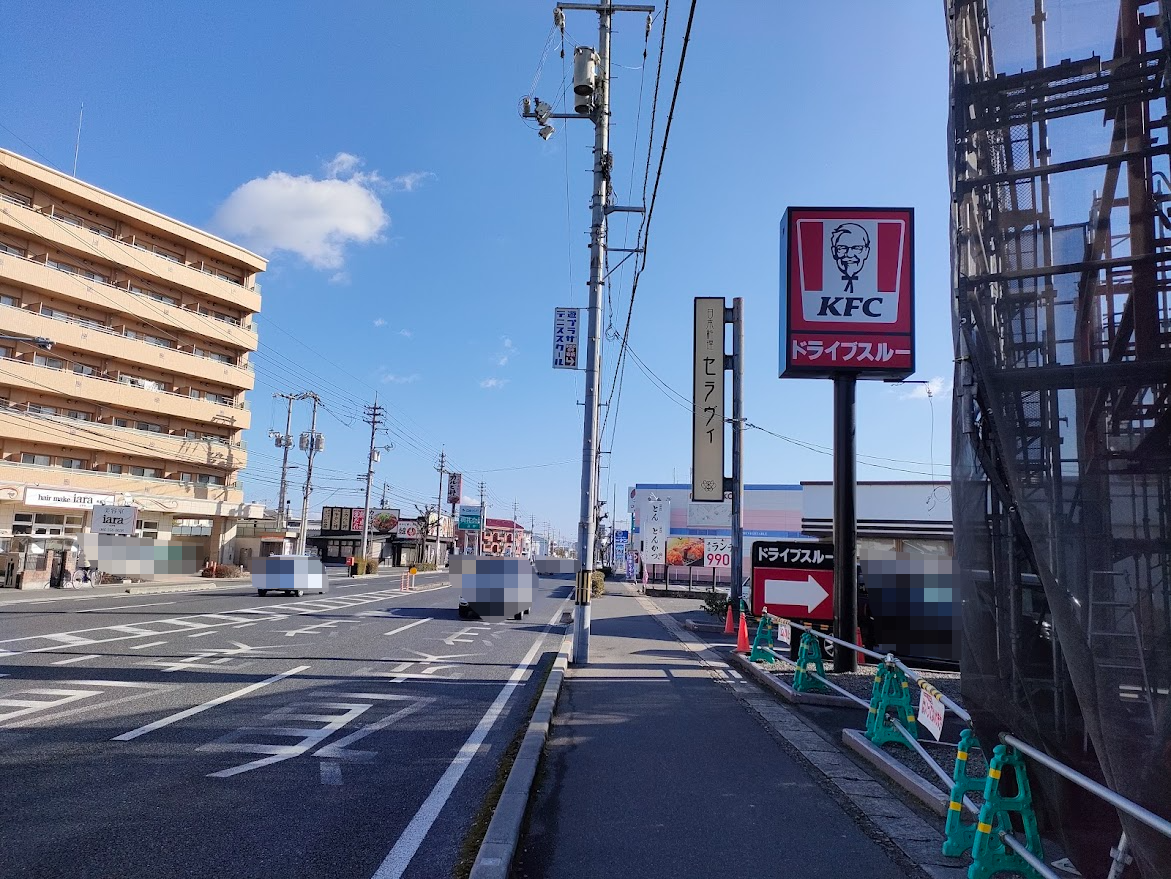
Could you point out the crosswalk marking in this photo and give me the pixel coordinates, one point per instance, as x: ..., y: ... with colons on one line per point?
x: 56, y: 698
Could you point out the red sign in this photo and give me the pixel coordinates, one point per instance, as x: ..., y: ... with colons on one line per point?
x: 794, y: 593
x: 793, y: 579
x: 847, y: 282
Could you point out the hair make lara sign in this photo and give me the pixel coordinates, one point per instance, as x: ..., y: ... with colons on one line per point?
x: 847, y: 293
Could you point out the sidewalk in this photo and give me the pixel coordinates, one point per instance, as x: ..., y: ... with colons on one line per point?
x: 653, y: 768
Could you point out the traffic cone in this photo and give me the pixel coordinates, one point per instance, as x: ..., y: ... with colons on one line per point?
x: 729, y: 626
x: 742, y: 635
x: 858, y: 641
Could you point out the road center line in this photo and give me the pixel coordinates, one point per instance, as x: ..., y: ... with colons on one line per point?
x: 409, y: 626
x: 112, y: 610
x: 211, y: 703
x: 412, y: 837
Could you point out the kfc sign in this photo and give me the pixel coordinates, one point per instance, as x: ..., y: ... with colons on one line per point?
x: 848, y: 293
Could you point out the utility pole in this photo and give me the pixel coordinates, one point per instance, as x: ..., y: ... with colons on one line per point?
x: 285, y: 441
x: 384, y: 488
x: 483, y: 520
x: 442, y: 468
x: 373, y: 417
x: 515, y: 513
x: 312, y: 443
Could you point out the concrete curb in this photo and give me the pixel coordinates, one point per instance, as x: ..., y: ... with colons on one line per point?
x: 925, y: 792
x: 784, y: 689
x: 494, y: 860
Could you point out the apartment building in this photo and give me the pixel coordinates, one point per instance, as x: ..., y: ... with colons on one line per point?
x: 136, y: 391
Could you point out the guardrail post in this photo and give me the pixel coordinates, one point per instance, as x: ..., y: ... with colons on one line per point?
x: 809, y: 654
x: 958, y: 833
x: 762, y: 644
x: 891, y: 692
x: 989, y: 853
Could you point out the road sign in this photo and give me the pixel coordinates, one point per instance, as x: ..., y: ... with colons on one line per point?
x: 469, y: 517
x: 793, y: 579
x: 847, y: 293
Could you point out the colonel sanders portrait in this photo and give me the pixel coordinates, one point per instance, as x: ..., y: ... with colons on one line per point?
x: 850, y: 246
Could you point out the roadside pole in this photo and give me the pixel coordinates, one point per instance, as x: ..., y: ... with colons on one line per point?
x: 845, y: 522
x: 374, y: 419
x: 310, y: 443
x: 442, y: 468
x: 737, y: 315
x: 285, y: 441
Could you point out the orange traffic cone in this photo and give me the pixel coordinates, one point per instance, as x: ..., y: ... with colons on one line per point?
x: 858, y: 641
x: 742, y: 635
x: 729, y: 627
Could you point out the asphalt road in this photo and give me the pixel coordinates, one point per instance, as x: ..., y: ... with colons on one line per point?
x: 220, y: 734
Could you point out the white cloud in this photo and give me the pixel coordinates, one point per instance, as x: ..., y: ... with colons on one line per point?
x: 468, y: 499
x: 342, y: 163
x: 411, y: 181
x: 406, y: 334
x: 494, y: 383
x: 339, y: 278
x: 313, y: 218
x: 379, y: 322
x: 392, y: 379
x: 934, y: 387
x: 505, y: 355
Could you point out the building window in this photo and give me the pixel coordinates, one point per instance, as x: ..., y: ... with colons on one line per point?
x: 83, y: 369
x: 50, y: 362
x: 72, y: 463
x: 6, y: 353
x: 201, y: 478
x: 10, y: 301
x: 78, y: 415
x: 147, y: 472
x: 47, y: 523
x: 149, y: 427
x: 192, y: 527
x: 114, y: 468
x: 16, y: 198
x: 9, y: 248
x: 36, y: 460
x: 147, y: 528
x: 38, y: 409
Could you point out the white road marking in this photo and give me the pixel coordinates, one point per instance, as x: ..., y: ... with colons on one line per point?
x: 331, y: 772
x: 303, y: 712
x: 409, y: 626
x: 55, y: 698
x: 66, y: 638
x: 73, y: 659
x: 201, y: 634
x: 144, y: 646
x: 211, y: 703
x: 123, y: 607
x: 399, y: 858
x: 338, y: 750
x: 244, y: 626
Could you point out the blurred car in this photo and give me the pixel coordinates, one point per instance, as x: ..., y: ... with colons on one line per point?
x: 290, y: 574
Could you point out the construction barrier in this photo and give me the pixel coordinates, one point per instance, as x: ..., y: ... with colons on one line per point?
x: 407, y: 583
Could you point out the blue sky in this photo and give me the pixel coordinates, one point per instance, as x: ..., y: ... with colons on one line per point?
x: 418, y: 229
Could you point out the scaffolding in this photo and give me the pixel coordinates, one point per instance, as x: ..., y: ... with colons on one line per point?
x: 1061, y: 259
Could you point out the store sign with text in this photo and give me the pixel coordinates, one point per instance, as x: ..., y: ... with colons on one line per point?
x: 707, y: 401
x: 566, y: 331
x: 847, y: 293
x: 50, y: 497
x: 109, y: 519
x: 654, y: 526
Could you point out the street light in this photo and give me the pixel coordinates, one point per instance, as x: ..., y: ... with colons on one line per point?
x: 40, y: 341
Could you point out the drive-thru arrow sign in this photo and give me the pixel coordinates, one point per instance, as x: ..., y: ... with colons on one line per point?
x: 807, y: 592
x: 793, y: 579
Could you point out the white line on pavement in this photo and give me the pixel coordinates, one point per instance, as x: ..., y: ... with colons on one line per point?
x: 211, y: 703
x: 201, y: 634
x: 144, y: 646
x: 399, y: 858
x: 409, y: 626
x: 73, y: 659
x: 123, y: 607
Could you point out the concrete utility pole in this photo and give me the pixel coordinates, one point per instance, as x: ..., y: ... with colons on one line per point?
x: 312, y: 443
x: 515, y: 513
x: 442, y: 468
x: 483, y: 520
x: 373, y: 417
x: 285, y: 441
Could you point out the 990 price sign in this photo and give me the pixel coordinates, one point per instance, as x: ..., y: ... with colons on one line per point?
x: 717, y: 552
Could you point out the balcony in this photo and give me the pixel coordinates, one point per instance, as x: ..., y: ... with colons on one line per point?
x: 157, y: 495
x: 107, y: 390
x: 72, y: 433
x: 36, y: 275
x: 30, y: 222
x: 85, y: 336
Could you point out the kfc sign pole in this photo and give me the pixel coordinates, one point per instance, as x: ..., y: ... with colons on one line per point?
x: 847, y: 312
